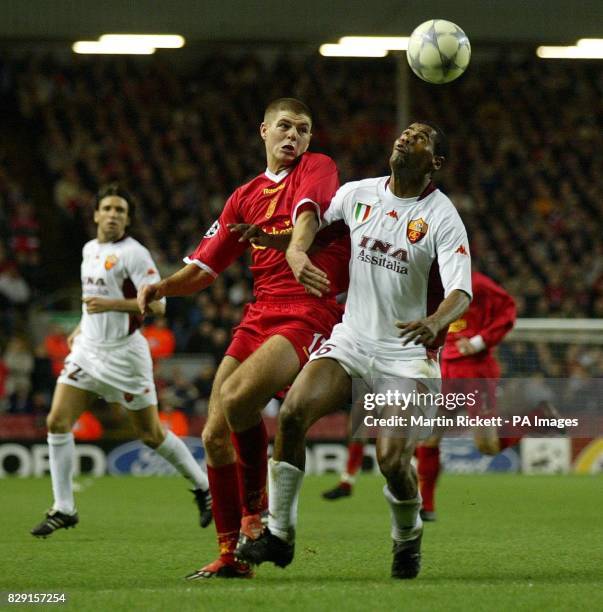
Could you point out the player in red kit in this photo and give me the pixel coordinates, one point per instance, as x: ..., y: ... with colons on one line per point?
x: 279, y: 329
x: 467, y: 354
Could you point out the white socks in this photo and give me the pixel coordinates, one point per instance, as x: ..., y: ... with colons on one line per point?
x: 284, y: 484
x: 174, y: 450
x: 61, y: 451
x: 406, y: 520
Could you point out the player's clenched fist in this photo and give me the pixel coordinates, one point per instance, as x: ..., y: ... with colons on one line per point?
x: 312, y: 278
x: 146, y: 295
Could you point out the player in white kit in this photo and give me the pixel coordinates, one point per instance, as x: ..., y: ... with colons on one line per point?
x: 110, y: 358
x: 403, y: 232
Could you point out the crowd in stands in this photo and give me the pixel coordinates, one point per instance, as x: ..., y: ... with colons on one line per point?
x: 524, y: 171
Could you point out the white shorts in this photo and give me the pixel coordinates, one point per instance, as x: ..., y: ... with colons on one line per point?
x: 121, y: 373
x: 379, y: 375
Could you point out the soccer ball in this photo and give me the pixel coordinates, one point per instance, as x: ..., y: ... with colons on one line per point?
x: 438, y: 51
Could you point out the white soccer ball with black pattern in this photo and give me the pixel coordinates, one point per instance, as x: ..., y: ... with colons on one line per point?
x: 438, y: 51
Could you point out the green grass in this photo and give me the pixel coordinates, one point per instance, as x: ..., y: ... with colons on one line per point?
x: 502, y: 542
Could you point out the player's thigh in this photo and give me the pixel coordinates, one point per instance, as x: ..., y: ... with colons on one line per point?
x: 216, y: 424
x: 264, y: 373
x: 68, y: 403
x: 322, y: 387
x: 147, y: 425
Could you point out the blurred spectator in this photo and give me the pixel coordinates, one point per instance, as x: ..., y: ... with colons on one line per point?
x: 25, y: 231
x: 14, y: 290
x: 182, y: 392
x: 204, y: 380
x: 160, y: 337
x: 20, y: 362
x: 87, y: 427
x: 175, y: 420
x: 4, y: 371
x: 55, y: 344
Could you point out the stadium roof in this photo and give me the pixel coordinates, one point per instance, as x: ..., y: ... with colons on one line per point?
x: 312, y: 21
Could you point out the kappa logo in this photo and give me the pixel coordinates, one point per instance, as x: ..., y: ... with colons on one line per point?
x: 110, y: 261
x: 417, y: 228
x: 393, y: 214
x: 462, y: 250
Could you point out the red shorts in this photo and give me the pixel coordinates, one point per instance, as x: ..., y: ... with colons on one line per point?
x: 459, y: 376
x: 306, y: 323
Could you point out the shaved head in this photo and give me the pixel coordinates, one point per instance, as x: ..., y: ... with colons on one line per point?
x: 292, y: 105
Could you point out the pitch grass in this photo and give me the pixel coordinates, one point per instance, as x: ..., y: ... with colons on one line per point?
x: 502, y: 542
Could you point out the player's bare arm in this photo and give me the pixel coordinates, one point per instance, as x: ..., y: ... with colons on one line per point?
x: 312, y: 278
x: 96, y: 305
x: 188, y: 280
x: 257, y: 236
x: 424, y: 331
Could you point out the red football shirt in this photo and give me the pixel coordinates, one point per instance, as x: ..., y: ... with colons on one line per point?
x: 490, y: 315
x: 271, y: 201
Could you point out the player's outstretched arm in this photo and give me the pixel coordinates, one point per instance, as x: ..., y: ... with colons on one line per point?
x: 256, y: 235
x: 424, y: 331
x: 96, y: 305
x: 186, y: 281
x: 312, y: 278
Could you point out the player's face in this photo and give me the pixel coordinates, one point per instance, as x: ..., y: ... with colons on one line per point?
x: 286, y: 136
x: 111, y: 218
x: 413, y: 150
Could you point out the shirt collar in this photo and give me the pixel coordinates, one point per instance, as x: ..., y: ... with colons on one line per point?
x: 390, y: 198
x: 277, y: 178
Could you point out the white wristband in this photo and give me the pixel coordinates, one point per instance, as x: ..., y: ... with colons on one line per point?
x: 477, y: 342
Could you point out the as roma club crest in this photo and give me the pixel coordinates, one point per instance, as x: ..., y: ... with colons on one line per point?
x: 417, y: 228
x: 110, y: 261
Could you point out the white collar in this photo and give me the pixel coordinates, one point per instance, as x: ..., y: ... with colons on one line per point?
x: 277, y: 178
x: 393, y: 200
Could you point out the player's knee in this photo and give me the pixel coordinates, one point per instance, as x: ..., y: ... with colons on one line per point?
x: 292, y: 420
x: 151, y: 437
x: 393, y: 461
x: 215, y: 441
x: 58, y: 423
x: 230, y: 398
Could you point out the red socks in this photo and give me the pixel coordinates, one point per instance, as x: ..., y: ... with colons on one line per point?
x: 252, y: 465
x: 507, y: 442
x: 355, y: 457
x: 428, y: 469
x: 226, y: 506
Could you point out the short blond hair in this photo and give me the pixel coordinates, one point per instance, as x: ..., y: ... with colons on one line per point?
x: 288, y: 104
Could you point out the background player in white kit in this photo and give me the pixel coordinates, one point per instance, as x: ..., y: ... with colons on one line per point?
x: 110, y: 358
x: 401, y: 227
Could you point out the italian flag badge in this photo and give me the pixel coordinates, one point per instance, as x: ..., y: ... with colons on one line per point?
x: 362, y: 212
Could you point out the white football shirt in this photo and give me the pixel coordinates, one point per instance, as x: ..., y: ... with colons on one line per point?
x: 398, y: 247
x: 114, y: 270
